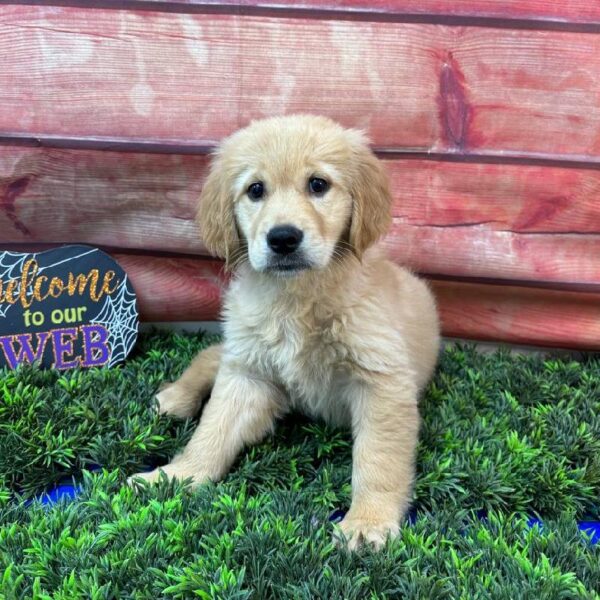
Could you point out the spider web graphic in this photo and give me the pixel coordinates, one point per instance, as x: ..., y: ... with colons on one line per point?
x: 119, y: 316
x: 11, y: 266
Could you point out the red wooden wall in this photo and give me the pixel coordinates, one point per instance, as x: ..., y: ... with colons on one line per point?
x: 486, y: 113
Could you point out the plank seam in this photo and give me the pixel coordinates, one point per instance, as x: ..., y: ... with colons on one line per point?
x: 327, y: 13
x: 203, y: 147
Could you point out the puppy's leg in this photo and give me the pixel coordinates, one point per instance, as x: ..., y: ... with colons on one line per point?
x: 385, y: 423
x: 183, y: 397
x: 240, y: 411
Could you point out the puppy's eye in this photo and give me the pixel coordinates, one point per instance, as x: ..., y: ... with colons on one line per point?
x: 256, y: 190
x: 317, y: 186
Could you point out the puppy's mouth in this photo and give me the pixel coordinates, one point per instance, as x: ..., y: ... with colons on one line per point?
x: 288, y: 266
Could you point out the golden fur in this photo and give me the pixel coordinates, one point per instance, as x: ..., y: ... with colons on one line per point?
x: 350, y: 337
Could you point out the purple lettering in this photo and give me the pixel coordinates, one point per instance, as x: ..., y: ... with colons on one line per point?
x: 62, y: 347
x: 26, y: 352
x: 95, y: 345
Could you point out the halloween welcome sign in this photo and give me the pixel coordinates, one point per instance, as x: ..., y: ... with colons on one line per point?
x: 67, y: 307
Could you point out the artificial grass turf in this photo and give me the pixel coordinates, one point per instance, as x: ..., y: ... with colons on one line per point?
x: 504, y: 435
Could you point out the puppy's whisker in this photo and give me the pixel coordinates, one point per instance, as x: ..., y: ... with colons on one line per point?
x: 347, y: 245
x: 239, y: 255
x: 344, y: 252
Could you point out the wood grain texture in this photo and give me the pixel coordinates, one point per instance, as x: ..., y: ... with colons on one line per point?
x: 191, y: 289
x: 540, y: 13
x: 183, y: 290
x: 171, y: 289
x: 419, y: 87
x: 477, y: 251
x: 519, y: 315
x: 492, y: 221
x: 127, y: 200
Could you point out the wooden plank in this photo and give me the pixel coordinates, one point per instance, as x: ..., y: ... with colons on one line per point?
x: 184, y: 289
x: 127, y: 74
x: 127, y: 200
x: 48, y: 186
x: 171, y: 77
x: 478, y: 251
x: 519, y: 315
x: 518, y: 222
x: 502, y: 197
x: 172, y: 290
x: 535, y: 13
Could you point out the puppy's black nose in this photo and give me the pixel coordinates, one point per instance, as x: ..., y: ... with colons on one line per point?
x: 284, y: 239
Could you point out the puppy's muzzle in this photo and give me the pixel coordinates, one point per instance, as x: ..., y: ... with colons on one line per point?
x: 284, y: 239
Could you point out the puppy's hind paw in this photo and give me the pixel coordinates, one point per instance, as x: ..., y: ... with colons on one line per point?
x: 176, y: 401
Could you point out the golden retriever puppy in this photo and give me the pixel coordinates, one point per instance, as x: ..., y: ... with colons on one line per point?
x: 315, y: 319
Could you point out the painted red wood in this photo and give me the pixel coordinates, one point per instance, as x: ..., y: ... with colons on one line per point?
x: 512, y: 198
x: 421, y: 77
x: 540, y: 12
x: 175, y: 289
x: 47, y: 186
x: 519, y: 315
x: 181, y: 290
x: 477, y: 251
x: 173, y: 77
x: 571, y: 11
x: 190, y: 289
x: 127, y: 200
x: 494, y: 221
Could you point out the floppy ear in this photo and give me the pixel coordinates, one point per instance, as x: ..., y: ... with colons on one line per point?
x: 372, y: 200
x: 215, y: 215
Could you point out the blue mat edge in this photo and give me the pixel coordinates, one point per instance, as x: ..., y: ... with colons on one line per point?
x: 69, y: 491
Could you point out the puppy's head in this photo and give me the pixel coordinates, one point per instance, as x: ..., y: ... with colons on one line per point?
x: 289, y: 193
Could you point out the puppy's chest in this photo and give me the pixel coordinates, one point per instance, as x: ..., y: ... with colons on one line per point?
x: 304, y: 352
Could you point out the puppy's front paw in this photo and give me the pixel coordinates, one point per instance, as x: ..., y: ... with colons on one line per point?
x: 148, y: 477
x: 176, y: 401
x: 171, y: 471
x: 356, y: 532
